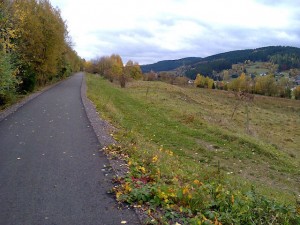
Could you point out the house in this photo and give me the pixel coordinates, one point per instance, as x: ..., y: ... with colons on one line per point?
x: 297, y: 80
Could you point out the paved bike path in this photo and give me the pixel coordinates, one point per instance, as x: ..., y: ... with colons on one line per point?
x: 51, y: 170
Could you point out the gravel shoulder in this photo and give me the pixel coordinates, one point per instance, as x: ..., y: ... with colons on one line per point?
x: 103, y: 131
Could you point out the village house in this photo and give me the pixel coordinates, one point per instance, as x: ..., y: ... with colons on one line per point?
x: 297, y: 80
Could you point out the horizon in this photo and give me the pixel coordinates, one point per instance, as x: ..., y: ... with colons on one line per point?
x: 217, y: 54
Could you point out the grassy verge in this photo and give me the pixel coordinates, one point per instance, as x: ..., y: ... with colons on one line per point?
x: 190, y: 159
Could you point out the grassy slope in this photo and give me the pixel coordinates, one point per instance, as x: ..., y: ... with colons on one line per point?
x: 257, y: 67
x: 196, y: 125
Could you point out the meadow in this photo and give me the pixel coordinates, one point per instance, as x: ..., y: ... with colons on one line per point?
x: 194, y: 156
x: 258, y: 68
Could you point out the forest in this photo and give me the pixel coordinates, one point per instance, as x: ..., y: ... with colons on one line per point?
x: 285, y: 57
x: 35, y: 48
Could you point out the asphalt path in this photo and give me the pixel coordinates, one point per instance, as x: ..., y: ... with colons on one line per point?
x: 51, y: 169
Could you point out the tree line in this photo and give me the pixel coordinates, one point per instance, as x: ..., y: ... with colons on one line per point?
x: 35, y: 48
x: 286, y: 58
x: 286, y: 61
x: 263, y: 85
x: 113, y: 69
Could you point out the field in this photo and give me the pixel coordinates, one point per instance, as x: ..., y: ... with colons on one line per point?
x: 257, y: 67
x: 192, y: 135
x: 261, y: 68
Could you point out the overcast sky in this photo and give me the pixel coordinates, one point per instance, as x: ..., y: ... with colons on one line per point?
x: 148, y: 31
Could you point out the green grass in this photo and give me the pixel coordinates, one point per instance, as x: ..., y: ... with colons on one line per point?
x: 257, y: 67
x: 191, y: 132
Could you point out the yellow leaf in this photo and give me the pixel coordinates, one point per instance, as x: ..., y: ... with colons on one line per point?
x: 154, y: 159
x: 185, y: 190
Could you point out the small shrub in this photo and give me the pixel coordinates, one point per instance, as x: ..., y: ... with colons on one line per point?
x: 8, y: 81
x: 297, y: 92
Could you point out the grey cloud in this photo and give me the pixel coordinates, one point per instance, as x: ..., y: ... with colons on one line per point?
x: 140, y: 44
x: 210, y: 41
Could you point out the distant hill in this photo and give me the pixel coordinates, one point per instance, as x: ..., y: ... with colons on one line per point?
x: 168, y: 65
x: 286, y: 57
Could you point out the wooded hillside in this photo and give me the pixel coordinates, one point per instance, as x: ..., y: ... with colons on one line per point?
x: 285, y: 57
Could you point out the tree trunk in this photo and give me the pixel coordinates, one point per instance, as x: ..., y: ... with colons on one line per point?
x: 123, y: 81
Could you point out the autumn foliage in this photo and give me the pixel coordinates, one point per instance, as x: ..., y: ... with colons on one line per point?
x: 112, y: 68
x: 35, y: 46
x: 204, y: 82
x: 267, y: 85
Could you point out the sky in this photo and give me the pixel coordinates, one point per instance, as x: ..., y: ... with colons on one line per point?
x: 147, y: 31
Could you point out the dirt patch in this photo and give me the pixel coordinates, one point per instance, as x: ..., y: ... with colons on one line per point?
x: 207, y: 145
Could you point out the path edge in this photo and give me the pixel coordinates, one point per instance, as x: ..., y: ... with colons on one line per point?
x: 103, y: 131
x: 102, y: 128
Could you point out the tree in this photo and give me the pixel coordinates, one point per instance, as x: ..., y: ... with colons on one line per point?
x: 204, y: 82
x: 167, y: 77
x: 220, y: 85
x: 209, y: 83
x: 200, y: 81
x: 133, y: 70
x: 242, y: 81
x: 226, y: 76
x: 296, y: 92
x: 111, y: 67
x: 68, y: 62
x: 8, y: 81
x: 43, y: 47
x: 88, y: 66
x: 117, y: 69
x: 151, y: 76
x: 239, y: 84
x: 284, y: 87
x: 34, y: 44
x: 233, y: 85
x: 266, y: 85
x: 245, y: 98
x: 103, y: 66
x: 181, y: 80
x: 7, y: 32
